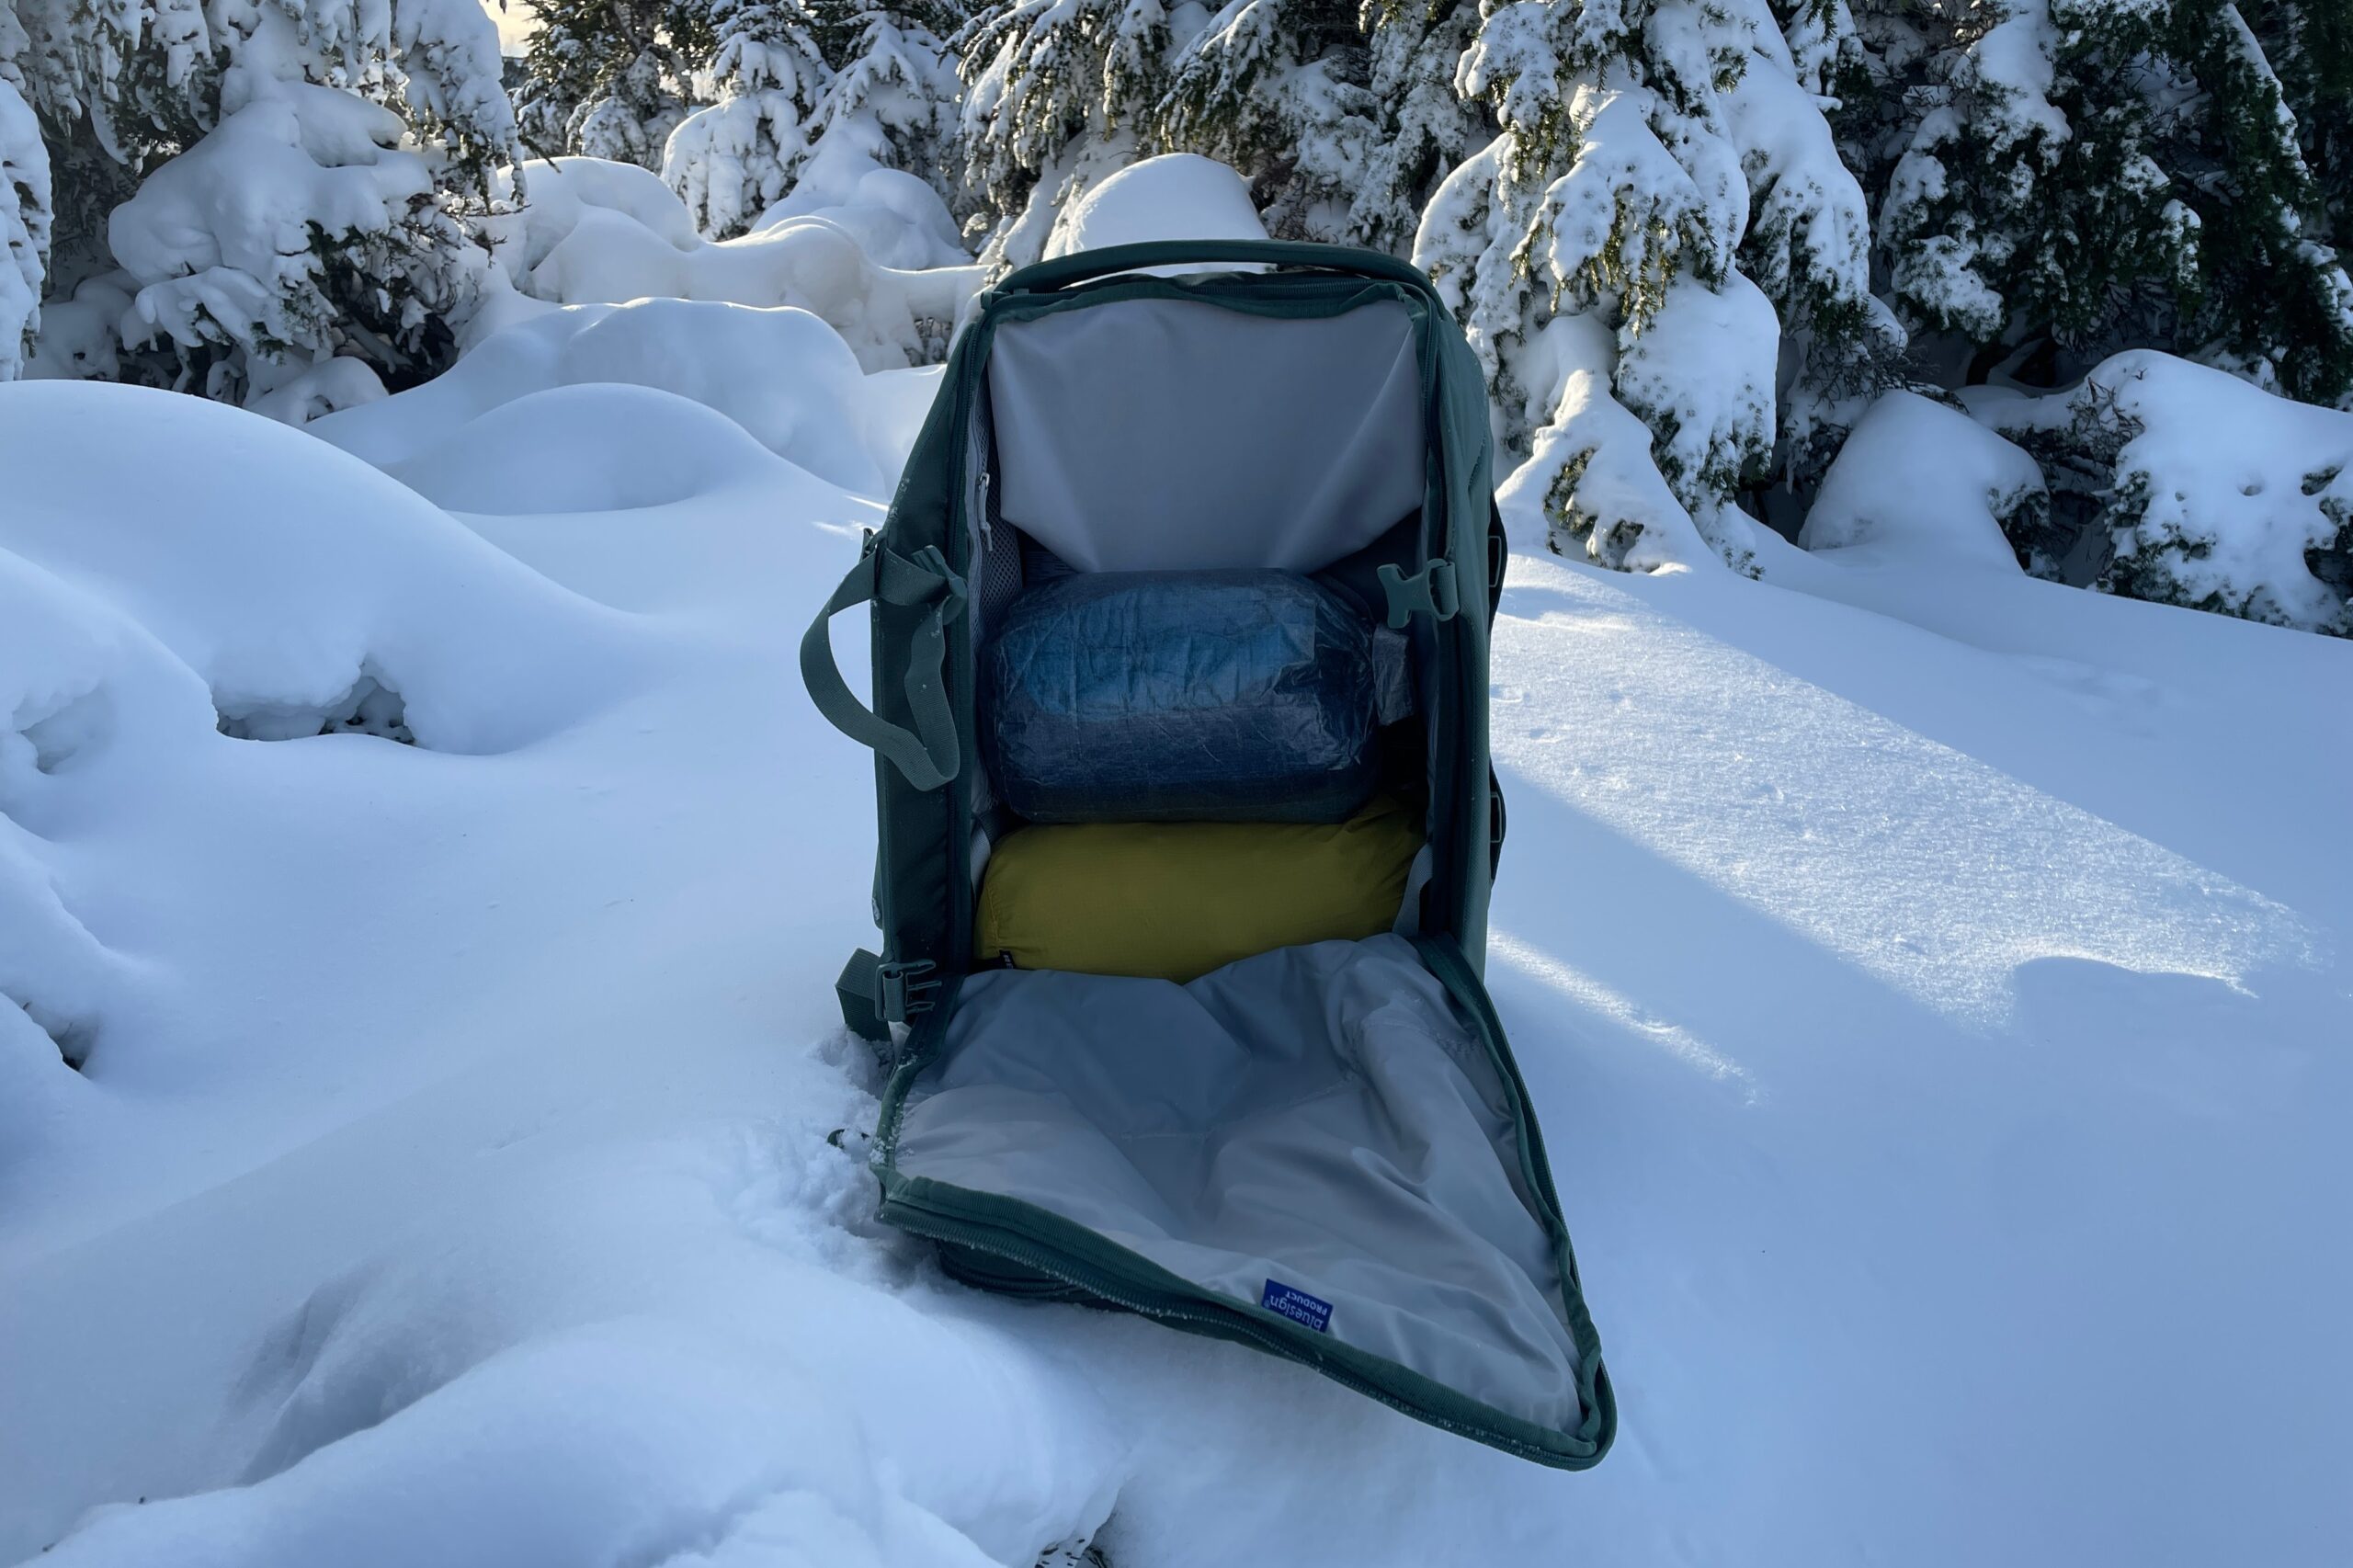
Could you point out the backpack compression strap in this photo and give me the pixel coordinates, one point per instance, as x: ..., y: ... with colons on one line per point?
x: 926, y: 754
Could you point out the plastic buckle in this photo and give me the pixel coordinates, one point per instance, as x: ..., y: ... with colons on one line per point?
x: 875, y: 994
x: 1430, y: 592
x: 904, y: 995
x: 951, y: 599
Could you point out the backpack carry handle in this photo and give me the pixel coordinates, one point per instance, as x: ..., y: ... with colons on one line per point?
x: 1080, y: 266
x: 926, y: 754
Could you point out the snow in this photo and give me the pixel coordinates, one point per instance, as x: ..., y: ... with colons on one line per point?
x: 1593, y: 240
x: 1970, y: 977
x: 1175, y: 194
x: 219, y: 238
x: 452, y: 71
x: 2218, y: 494
x: 606, y: 232
x: 78, y: 335
x: 321, y: 389
x: 896, y: 219
x: 24, y: 226
x: 1917, y: 482
x: 1810, y: 239
x: 1931, y: 979
x: 781, y: 376
x: 1702, y: 376
x: 730, y: 160
x: 1590, y: 474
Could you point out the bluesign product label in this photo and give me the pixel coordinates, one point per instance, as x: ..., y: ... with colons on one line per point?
x: 1297, y: 1305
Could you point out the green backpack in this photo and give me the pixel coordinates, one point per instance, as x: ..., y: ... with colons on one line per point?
x: 1325, y: 1151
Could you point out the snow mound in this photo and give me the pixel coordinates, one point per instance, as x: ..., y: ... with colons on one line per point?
x: 323, y: 388
x: 1178, y: 196
x: 1917, y: 478
x: 782, y: 375
x: 560, y: 192
x: 78, y: 335
x: 896, y: 217
x: 2214, y: 493
x: 608, y: 233
x: 482, y: 1393
x: 684, y: 1346
x: 229, y: 580
x: 83, y: 692
x: 591, y: 447
x: 290, y: 578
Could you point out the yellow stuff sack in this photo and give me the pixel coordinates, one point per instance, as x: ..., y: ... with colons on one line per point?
x: 1173, y: 900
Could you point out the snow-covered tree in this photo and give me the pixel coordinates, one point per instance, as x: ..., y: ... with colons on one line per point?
x: 2275, y: 302
x: 789, y: 72
x: 24, y: 227
x: 610, y: 78
x: 1054, y: 91
x: 892, y: 86
x: 1341, y: 114
x: 730, y: 160
x: 1665, y: 198
x: 2310, y: 42
x: 307, y: 181
x: 1280, y: 90
x: 1426, y: 130
x: 296, y: 232
x: 2185, y: 486
x: 2081, y: 175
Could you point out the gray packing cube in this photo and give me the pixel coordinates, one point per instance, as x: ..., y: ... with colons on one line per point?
x: 1237, y: 696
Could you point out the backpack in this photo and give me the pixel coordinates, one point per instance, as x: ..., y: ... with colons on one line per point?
x: 1325, y: 1151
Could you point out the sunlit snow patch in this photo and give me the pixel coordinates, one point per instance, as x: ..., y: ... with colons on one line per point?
x: 1936, y: 874
x: 1587, y: 992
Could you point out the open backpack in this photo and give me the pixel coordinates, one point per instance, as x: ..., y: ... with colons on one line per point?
x: 1180, y: 628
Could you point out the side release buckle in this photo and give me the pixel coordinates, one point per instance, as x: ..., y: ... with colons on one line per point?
x: 1430, y: 592
x: 875, y: 994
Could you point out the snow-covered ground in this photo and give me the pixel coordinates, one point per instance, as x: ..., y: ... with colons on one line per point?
x: 1933, y: 982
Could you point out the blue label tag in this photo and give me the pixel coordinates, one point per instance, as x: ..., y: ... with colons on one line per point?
x: 1297, y: 1305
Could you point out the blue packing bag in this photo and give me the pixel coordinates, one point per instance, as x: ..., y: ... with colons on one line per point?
x: 1241, y: 696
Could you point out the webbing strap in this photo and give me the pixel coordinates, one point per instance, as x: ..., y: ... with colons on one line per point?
x: 928, y: 755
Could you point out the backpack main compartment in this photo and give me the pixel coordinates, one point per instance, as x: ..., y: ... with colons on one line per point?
x: 1324, y: 1151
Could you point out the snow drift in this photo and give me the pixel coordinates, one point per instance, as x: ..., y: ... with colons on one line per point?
x: 598, y: 232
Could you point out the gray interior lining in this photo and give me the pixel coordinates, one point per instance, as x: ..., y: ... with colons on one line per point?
x: 1173, y: 434
x: 1316, y: 1115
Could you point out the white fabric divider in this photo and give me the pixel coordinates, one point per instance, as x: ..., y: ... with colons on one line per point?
x: 1315, y: 1116
x: 1172, y: 434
